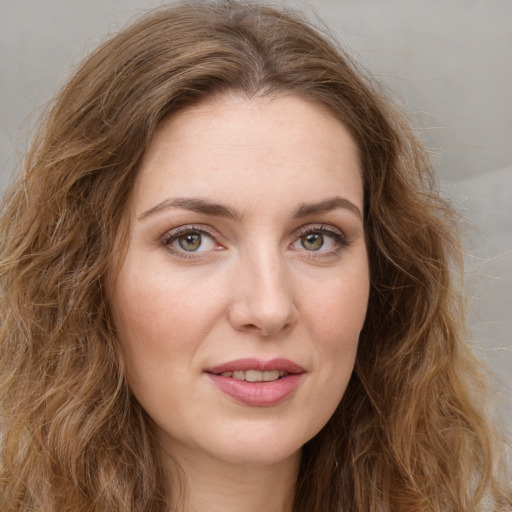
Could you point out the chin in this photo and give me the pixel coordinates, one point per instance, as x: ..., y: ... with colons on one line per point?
x: 257, y: 447
x: 257, y: 456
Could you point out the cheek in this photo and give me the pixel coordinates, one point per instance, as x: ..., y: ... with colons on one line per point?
x: 156, y: 334
x: 338, y: 309
x: 335, y: 319
x: 160, y: 317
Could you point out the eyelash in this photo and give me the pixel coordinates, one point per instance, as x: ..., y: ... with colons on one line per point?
x: 176, y: 233
x: 335, y: 234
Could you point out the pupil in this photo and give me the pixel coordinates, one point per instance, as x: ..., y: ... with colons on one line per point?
x: 190, y: 242
x: 312, y: 242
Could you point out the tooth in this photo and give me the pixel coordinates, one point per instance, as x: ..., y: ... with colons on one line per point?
x: 253, y: 376
x: 270, y: 375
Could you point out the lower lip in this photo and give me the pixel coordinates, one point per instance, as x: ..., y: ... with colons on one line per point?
x: 257, y: 394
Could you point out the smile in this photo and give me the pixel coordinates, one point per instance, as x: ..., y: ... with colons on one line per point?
x: 255, y: 375
x: 255, y: 382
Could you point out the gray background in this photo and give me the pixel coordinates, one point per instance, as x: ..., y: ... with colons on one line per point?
x: 448, y: 61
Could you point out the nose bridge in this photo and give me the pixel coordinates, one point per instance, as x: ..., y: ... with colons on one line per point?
x: 263, y: 298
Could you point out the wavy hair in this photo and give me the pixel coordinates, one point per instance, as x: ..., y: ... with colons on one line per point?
x: 408, y: 434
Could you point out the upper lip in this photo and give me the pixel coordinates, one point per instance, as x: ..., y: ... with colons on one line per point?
x: 283, y: 364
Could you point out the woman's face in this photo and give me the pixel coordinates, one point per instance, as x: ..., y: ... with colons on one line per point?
x: 245, y: 285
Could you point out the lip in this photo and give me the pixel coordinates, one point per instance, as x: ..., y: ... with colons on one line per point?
x: 279, y: 363
x: 257, y: 394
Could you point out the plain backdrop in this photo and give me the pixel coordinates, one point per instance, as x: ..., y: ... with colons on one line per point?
x: 448, y: 61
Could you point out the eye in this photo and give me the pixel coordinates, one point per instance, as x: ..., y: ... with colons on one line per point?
x: 190, y: 240
x: 321, y: 239
x: 312, y: 241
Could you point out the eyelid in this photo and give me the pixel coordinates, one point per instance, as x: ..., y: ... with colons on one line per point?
x: 187, y: 228
x: 324, y: 229
x: 175, y: 233
x: 335, y: 233
x: 319, y: 226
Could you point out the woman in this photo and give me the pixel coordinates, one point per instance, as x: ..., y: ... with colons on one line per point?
x: 228, y: 284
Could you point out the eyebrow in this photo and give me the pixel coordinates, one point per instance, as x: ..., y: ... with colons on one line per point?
x: 195, y: 205
x: 333, y: 203
x: 218, y: 210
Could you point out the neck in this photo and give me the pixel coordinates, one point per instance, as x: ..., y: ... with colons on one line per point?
x: 217, y: 486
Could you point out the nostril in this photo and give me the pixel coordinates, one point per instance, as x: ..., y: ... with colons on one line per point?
x: 268, y: 329
x: 262, y: 305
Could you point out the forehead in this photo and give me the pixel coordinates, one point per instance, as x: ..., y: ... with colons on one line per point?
x: 240, y: 148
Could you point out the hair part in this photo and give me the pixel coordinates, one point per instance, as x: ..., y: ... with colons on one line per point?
x: 406, y: 436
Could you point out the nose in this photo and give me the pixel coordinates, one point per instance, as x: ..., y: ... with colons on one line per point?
x: 262, y: 297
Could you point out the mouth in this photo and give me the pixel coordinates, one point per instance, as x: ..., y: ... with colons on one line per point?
x: 255, y: 375
x: 256, y: 382
x: 257, y: 370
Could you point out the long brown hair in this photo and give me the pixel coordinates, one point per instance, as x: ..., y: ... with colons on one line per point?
x: 407, y: 434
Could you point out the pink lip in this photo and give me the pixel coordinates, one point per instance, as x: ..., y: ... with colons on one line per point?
x: 281, y: 363
x: 257, y: 394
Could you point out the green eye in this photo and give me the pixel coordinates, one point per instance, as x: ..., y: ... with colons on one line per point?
x: 320, y: 239
x: 190, y: 242
x: 312, y: 241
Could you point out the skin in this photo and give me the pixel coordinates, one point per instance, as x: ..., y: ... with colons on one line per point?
x: 256, y: 287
